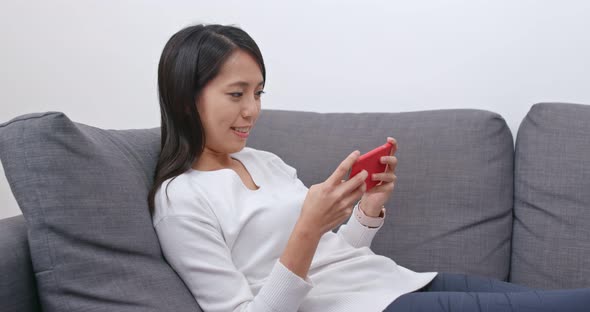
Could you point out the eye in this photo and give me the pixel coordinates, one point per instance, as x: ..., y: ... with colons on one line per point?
x: 235, y: 94
x: 259, y: 93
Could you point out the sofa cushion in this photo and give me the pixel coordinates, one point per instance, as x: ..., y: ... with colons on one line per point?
x: 18, y: 291
x: 83, y: 192
x: 552, y: 197
x: 451, y: 209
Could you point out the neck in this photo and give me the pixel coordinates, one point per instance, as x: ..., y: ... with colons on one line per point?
x: 213, y: 160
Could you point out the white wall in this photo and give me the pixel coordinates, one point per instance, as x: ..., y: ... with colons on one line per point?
x: 97, y: 60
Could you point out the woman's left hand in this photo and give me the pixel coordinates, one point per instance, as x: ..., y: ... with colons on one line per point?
x: 373, y: 200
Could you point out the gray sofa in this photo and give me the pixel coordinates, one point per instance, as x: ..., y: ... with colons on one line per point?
x: 467, y: 200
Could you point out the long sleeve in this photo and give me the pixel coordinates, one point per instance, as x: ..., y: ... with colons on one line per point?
x: 357, y: 234
x: 195, y: 248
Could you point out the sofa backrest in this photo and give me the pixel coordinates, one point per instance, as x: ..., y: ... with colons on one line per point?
x: 451, y: 209
x: 551, y: 240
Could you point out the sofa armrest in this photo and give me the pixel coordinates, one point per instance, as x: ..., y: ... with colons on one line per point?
x: 18, y: 291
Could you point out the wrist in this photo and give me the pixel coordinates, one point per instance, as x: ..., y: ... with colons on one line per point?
x: 373, y: 213
x: 306, y: 231
x: 374, y: 221
x: 300, y: 249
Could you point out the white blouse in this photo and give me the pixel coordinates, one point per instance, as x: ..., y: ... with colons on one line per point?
x: 224, y: 240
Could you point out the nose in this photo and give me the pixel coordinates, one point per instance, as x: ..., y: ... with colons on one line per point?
x: 251, y: 107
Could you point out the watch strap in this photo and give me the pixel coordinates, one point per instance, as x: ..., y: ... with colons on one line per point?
x: 371, y: 222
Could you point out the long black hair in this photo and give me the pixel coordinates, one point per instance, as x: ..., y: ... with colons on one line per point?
x: 191, y: 58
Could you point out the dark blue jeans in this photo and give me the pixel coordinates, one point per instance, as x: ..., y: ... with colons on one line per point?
x: 465, y: 293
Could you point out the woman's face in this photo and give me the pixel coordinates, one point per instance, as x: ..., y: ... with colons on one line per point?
x: 231, y: 100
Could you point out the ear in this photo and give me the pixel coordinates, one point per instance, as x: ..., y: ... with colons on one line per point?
x: 196, y: 102
x: 187, y: 109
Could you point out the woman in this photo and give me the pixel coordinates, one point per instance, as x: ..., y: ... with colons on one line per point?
x: 245, y: 234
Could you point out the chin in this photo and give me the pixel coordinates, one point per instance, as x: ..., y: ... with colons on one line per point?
x: 237, y: 149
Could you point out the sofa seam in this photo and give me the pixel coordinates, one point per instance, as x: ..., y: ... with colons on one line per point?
x: 18, y: 119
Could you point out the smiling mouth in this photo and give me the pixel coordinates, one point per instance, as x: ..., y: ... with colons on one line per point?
x: 241, y: 129
x: 242, y: 133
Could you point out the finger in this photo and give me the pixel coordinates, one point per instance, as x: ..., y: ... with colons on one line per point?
x: 356, y: 195
x: 391, y: 162
x: 349, y: 199
x: 383, y: 188
x: 394, y: 142
x: 358, y: 181
x: 341, y: 216
x: 340, y: 220
x: 343, y: 168
x: 385, y: 177
x: 345, y: 213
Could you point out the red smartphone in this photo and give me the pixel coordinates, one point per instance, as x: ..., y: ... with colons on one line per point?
x: 371, y: 162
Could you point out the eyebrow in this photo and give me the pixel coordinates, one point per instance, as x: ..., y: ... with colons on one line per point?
x: 243, y: 84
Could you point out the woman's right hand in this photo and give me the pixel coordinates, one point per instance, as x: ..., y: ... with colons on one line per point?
x: 326, y: 206
x: 330, y: 203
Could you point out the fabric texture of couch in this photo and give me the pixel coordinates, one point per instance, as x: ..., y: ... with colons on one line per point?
x: 466, y: 200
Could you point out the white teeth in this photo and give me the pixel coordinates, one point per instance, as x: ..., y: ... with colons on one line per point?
x: 243, y: 130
